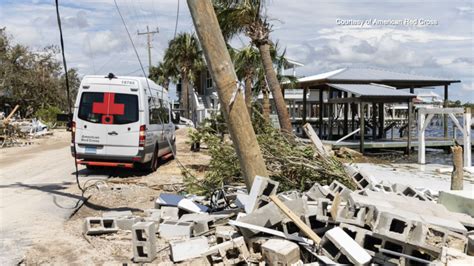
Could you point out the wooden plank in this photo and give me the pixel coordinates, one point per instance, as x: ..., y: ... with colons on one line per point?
x: 7, y: 119
x: 301, y: 225
x: 315, y: 139
x: 335, y: 205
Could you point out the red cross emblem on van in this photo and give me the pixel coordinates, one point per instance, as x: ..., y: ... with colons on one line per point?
x: 108, y: 108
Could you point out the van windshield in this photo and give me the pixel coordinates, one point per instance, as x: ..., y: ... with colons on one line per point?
x: 108, y: 108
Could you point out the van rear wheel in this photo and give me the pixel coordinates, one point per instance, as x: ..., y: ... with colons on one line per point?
x: 155, y: 161
x: 152, y: 165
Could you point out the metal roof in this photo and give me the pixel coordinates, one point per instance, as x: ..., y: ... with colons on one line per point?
x: 370, y: 75
x: 372, y: 90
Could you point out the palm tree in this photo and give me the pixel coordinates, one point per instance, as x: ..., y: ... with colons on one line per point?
x: 185, y: 56
x: 246, y: 62
x: 246, y: 16
x: 163, y: 74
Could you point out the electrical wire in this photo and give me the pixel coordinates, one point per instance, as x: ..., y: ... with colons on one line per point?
x: 173, y: 151
x: 68, y: 94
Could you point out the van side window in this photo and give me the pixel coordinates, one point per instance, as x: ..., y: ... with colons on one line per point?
x: 154, y: 119
x: 159, y: 115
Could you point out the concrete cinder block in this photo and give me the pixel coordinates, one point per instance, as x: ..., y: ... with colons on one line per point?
x: 126, y: 223
x: 316, y: 192
x: 169, y: 213
x: 458, y: 201
x: 280, y: 252
x: 231, y: 252
x: 150, y: 212
x: 202, y: 222
x: 188, y: 249
x: 100, y: 225
x: 338, y: 187
x: 261, y: 187
x: 270, y: 215
x: 341, y: 247
x: 144, y: 241
x: 350, y: 215
x: 175, y: 229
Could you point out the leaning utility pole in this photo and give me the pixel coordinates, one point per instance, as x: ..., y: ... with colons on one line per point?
x: 229, y: 90
x: 149, y: 34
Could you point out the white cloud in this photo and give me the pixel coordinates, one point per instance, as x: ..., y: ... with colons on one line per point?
x: 97, y: 43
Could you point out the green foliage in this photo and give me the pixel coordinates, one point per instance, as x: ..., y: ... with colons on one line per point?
x: 48, y: 114
x: 294, y: 164
x: 33, y: 79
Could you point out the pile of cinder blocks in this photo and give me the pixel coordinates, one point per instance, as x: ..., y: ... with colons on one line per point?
x: 377, y: 223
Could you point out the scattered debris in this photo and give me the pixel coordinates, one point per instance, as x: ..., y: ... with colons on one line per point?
x: 378, y: 223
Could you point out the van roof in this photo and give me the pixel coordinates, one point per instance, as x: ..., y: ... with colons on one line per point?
x: 142, y: 80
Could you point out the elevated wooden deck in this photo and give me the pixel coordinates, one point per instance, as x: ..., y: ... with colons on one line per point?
x: 390, y: 144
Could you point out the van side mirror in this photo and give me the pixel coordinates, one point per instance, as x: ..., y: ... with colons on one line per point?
x: 63, y: 117
x: 175, y: 118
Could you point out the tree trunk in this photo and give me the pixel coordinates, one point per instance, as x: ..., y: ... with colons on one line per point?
x: 274, y: 85
x: 248, y: 94
x: 185, y: 95
x: 266, y: 104
x: 223, y: 73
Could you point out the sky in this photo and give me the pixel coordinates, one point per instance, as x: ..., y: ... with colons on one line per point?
x: 431, y: 37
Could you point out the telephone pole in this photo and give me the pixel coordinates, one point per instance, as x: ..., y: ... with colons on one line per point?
x: 149, y: 34
x: 223, y: 73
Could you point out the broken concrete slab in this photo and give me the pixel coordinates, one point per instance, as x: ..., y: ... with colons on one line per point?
x: 280, y: 252
x: 409, y: 208
x: 270, y: 215
x: 266, y: 230
x: 100, y: 225
x: 169, y: 213
x: 166, y: 199
x: 341, y: 247
x: 458, y: 201
x: 316, y: 192
x: 225, y: 233
x: 188, y: 249
x: 144, y: 241
x: 117, y: 214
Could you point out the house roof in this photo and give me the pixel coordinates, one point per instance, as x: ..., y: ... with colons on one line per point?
x: 368, y: 75
x: 372, y: 90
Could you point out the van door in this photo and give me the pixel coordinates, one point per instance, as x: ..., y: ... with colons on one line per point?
x: 123, y: 124
x: 91, y: 134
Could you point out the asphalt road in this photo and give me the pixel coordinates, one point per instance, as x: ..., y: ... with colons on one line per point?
x: 37, y: 193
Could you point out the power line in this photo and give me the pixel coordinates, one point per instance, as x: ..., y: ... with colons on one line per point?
x: 173, y: 151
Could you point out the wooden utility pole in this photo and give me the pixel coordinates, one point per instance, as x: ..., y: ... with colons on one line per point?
x: 230, y: 96
x: 148, y: 41
x: 457, y: 175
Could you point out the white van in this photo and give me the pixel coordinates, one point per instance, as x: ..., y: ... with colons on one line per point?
x: 121, y: 122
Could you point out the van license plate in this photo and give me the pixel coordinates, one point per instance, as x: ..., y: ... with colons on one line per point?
x: 91, y: 149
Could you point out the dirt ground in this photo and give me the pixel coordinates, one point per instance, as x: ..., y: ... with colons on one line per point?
x: 41, y: 222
